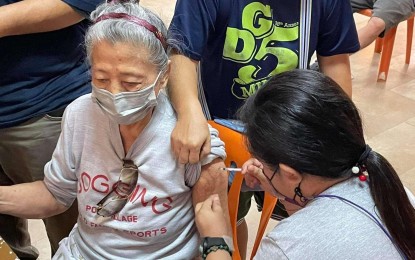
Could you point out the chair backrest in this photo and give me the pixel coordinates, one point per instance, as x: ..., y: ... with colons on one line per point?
x: 5, y: 252
x: 237, y: 153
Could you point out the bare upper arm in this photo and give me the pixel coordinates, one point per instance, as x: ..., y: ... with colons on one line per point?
x: 337, y: 67
x: 33, y: 16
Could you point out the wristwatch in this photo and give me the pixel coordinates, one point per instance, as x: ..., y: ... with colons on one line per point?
x: 213, y: 244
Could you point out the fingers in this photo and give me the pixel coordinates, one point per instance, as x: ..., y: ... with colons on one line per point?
x: 255, y: 172
x: 208, y: 203
x: 190, y: 146
x: 251, y: 181
x: 205, y: 148
x: 209, y: 217
x: 251, y: 162
x: 211, y: 203
x: 216, y: 206
x: 193, y: 153
x: 253, y: 175
x: 193, y: 156
x: 183, y: 155
x: 206, y: 206
x: 198, y: 207
x: 187, y: 153
x: 175, y: 146
x: 258, y: 163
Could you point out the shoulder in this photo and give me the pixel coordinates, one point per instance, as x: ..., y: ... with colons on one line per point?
x: 196, y: 10
x: 164, y: 105
x: 184, y: 4
x: 82, y: 103
x: 329, y: 222
x: 164, y: 117
x: 332, y: 3
x: 82, y: 109
x: 332, y: 7
x: 298, y: 235
x: 85, y: 6
x: 320, y: 216
x: 192, y: 25
x: 269, y: 249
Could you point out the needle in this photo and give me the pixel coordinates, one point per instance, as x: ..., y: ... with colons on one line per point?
x: 231, y: 169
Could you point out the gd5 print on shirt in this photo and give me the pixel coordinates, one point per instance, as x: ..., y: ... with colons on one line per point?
x: 261, y: 47
x: 241, y: 43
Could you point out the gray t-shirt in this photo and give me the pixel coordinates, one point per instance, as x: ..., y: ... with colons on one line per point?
x: 158, y: 220
x: 329, y: 228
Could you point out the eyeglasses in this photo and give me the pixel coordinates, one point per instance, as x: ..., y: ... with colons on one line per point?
x: 114, y: 201
x: 277, y: 193
x: 272, y: 176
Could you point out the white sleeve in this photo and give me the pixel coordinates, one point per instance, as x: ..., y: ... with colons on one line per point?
x: 60, y: 177
x: 217, y: 147
x: 192, y: 174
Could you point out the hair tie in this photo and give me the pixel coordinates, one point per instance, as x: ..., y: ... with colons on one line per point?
x: 137, y: 21
x: 360, y: 167
x: 365, y: 154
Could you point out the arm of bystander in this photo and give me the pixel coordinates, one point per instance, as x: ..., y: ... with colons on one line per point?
x: 190, y: 138
x: 33, y: 16
x: 337, y: 67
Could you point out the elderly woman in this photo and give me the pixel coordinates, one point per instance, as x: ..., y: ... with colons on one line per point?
x: 345, y: 200
x: 114, y: 153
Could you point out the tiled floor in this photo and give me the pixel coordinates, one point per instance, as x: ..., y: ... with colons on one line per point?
x: 388, y: 110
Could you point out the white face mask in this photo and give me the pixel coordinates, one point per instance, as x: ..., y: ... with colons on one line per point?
x: 126, y: 108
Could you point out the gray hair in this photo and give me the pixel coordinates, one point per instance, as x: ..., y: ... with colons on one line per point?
x: 125, y: 31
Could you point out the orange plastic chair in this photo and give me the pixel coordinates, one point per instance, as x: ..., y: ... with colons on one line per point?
x: 236, y: 152
x: 385, y: 45
x: 5, y: 252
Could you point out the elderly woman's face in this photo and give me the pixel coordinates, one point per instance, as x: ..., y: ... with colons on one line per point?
x: 122, y: 67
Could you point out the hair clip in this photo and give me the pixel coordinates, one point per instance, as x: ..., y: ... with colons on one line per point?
x: 363, y: 176
x: 362, y: 170
x: 360, y: 167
